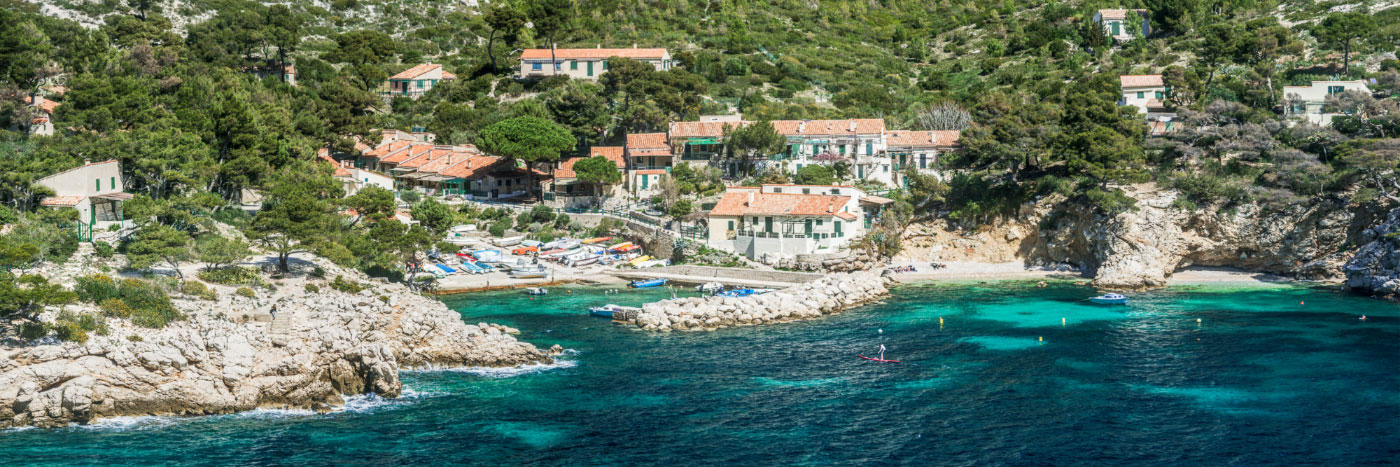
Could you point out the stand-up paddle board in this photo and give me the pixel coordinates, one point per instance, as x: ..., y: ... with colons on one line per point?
x: 879, y: 360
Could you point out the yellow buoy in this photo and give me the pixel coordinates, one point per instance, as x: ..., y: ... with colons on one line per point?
x: 1042, y: 338
x: 1062, y: 321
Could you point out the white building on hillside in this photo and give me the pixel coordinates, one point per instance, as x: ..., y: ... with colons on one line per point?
x: 94, y: 189
x: 1306, y: 102
x: 584, y: 63
x: 919, y: 150
x: 1115, y: 23
x: 774, y: 222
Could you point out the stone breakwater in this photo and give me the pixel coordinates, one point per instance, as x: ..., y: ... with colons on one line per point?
x: 828, y: 295
x: 322, y: 345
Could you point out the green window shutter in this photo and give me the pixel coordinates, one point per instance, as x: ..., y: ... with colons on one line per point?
x: 843, y: 149
x: 1139, y: 94
x: 590, y: 68
x: 731, y: 225
x: 1115, y: 28
x: 605, y: 65
x: 113, y: 183
x: 869, y: 148
x: 98, y: 183
x: 1159, y: 94
x: 573, y: 65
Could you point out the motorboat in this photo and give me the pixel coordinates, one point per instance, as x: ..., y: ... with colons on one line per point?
x: 709, y: 287
x: 1110, y: 299
x: 606, y: 311
x: 567, y: 244
x: 509, y: 241
x: 524, y: 250
x: 583, y: 261
x: 535, y: 272
x: 536, y: 291
x: 743, y: 292
x: 530, y: 243
x: 642, y: 284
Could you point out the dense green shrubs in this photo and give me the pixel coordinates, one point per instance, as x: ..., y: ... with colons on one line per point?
x: 347, y: 286
x: 198, y: 289
x: 143, y: 302
x: 245, y: 292
x: 244, y: 276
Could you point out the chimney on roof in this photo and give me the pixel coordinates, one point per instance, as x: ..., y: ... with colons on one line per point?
x: 750, y: 203
x: 36, y: 99
x: 830, y: 208
x: 853, y: 125
x: 600, y: 46
x: 801, y: 125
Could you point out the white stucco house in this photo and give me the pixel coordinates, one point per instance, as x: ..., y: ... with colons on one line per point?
x: 94, y: 189
x: 585, y: 63
x: 1304, y: 103
x: 1116, y: 25
x: 415, y: 81
x: 778, y: 221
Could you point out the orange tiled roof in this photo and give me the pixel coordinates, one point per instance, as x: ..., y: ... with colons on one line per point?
x: 61, y: 201
x: 457, y: 155
x: 648, y: 144
x: 47, y: 105
x: 340, y: 170
x: 419, y: 70
x: 413, y: 151
x: 854, y: 126
x: 387, y: 149
x: 702, y: 129
x: 597, y: 54
x: 736, y: 203
x: 612, y: 153
x: 1137, y: 81
x: 1119, y: 14
x: 472, y: 167
x: 922, y: 139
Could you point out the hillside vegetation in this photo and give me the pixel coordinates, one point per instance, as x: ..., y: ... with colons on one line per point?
x: 186, y: 95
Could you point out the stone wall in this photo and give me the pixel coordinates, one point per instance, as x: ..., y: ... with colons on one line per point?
x: 846, y: 261
x: 815, y: 299
x: 737, y: 273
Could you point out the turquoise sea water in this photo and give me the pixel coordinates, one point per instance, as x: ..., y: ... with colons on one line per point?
x: 1282, y: 375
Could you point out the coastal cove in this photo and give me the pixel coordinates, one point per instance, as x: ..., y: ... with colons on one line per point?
x: 1272, y: 373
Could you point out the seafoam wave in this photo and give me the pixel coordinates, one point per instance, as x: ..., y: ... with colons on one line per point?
x: 501, y: 372
x: 359, y: 403
x: 144, y: 422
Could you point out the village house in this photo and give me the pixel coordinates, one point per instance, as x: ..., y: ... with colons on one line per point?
x: 93, y: 189
x: 857, y: 141
x: 42, y: 124
x: 775, y: 222
x: 1117, y: 25
x: 919, y: 149
x: 1305, y: 103
x: 1148, y: 93
x: 584, y: 63
x: 415, y: 81
x: 565, y: 186
x: 648, y: 157
x: 701, y: 143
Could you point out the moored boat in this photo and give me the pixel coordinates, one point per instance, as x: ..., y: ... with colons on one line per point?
x: 642, y: 284
x: 710, y: 287
x: 536, y: 291
x: 509, y: 241
x: 605, y: 311
x: 529, y: 272
x: 1110, y: 299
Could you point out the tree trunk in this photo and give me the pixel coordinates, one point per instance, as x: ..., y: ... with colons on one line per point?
x: 282, y: 261
x: 553, y: 61
x: 1346, y: 56
x: 282, y: 64
x: 491, y: 50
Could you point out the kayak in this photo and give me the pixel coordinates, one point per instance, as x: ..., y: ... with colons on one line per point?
x: 879, y: 360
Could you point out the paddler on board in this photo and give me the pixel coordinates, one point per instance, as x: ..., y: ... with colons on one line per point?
x: 882, y: 351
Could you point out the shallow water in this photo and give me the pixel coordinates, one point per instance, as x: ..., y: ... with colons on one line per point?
x: 1012, y: 374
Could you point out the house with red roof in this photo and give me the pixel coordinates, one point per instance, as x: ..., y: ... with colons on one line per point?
x: 774, y: 222
x: 919, y: 149
x: 584, y: 63
x: 95, y: 189
x: 1119, y: 24
x: 567, y: 185
x: 415, y: 81
x: 1149, y: 94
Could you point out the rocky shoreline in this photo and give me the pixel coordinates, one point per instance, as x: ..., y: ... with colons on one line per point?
x: 831, y: 294
x: 230, y: 355
x: 1376, y: 266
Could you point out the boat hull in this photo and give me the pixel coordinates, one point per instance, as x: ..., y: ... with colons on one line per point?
x: 1109, y: 301
x: 647, y: 283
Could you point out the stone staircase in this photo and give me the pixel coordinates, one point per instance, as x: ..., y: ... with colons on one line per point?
x: 281, y: 327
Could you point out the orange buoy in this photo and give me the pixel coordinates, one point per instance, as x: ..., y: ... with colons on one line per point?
x: 1300, y: 303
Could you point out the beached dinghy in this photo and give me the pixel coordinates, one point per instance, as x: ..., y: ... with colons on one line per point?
x: 509, y: 241
x: 536, y: 291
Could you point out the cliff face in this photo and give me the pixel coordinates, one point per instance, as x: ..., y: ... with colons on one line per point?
x: 229, y: 356
x: 1141, y: 248
x: 1376, y: 266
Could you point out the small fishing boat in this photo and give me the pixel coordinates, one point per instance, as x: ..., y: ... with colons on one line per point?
x: 642, y: 284
x: 584, y: 261
x: 530, y: 243
x: 463, y: 228
x: 762, y: 291
x: 568, y: 244
x: 1110, y: 299
x: 880, y: 360
x: 710, y: 287
x: 487, y: 256
x: 552, y: 252
x: 605, y: 311
x: 597, y: 240
x: 509, y: 241
x: 529, y: 273
x: 536, y: 291
x: 524, y: 250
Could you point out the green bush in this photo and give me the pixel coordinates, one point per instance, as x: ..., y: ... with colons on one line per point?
x: 198, y: 289
x: 104, y: 249
x: 96, y: 288
x: 75, y: 327
x: 318, y: 272
x: 134, y: 338
x: 149, y: 305
x: 245, y: 276
x: 33, y: 330
x: 312, y: 288
x: 346, y: 286
x: 245, y: 292
x: 499, y: 228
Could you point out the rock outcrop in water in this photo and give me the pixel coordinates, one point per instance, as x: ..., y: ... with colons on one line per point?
x: 229, y: 356
x: 1376, y: 266
x: 830, y: 294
